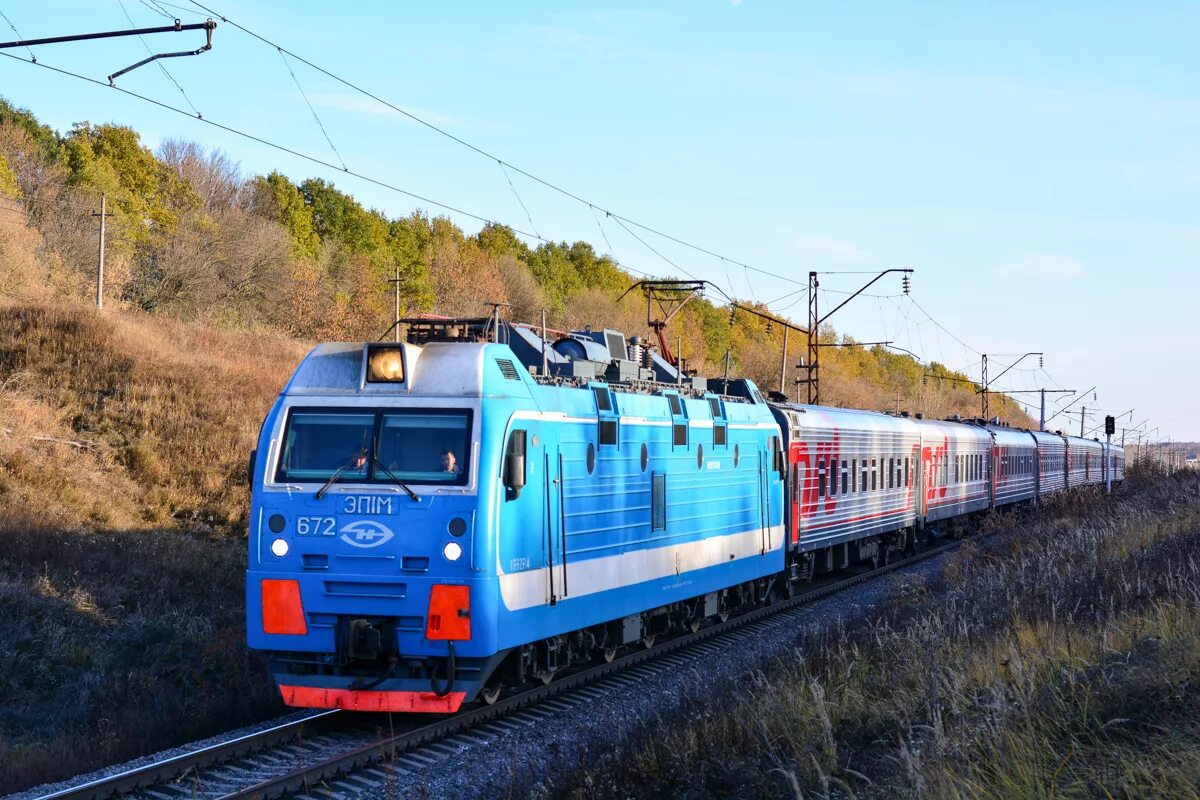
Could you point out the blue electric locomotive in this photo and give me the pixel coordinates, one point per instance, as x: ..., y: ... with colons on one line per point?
x: 434, y: 520
x: 429, y: 522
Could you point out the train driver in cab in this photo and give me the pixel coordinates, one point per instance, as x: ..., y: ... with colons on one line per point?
x: 449, y: 463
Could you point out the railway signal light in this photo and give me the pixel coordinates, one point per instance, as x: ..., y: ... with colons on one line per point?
x: 1110, y: 425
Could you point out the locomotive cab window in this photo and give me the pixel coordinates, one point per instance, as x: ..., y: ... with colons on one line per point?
x: 317, y: 445
x: 419, y: 446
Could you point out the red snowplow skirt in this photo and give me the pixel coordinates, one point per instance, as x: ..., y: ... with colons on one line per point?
x: 418, y: 702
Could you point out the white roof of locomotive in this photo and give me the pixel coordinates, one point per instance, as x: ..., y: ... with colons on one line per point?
x: 437, y: 369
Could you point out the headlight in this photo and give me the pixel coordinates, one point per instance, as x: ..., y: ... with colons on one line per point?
x: 452, y: 551
x: 385, y: 364
x: 279, y: 547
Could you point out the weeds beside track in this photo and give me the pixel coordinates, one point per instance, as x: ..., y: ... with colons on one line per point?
x: 1057, y: 661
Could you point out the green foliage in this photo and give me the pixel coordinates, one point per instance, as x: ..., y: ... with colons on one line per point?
x: 150, y: 198
x: 45, y: 140
x: 282, y: 201
x: 9, y: 188
x: 499, y: 240
x: 557, y: 274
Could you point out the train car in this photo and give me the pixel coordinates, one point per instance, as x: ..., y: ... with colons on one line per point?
x: 429, y: 519
x: 1118, y: 463
x: 1051, y: 462
x: 436, y: 520
x: 1015, y: 464
x: 1077, y: 461
x: 1087, y: 461
x: 854, y: 488
x: 954, y: 471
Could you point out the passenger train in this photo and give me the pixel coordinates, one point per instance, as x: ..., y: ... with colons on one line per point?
x: 477, y: 508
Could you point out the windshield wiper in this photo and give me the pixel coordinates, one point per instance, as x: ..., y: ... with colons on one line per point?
x: 416, y: 498
x: 337, y: 473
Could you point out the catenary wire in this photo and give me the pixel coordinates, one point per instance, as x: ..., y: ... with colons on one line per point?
x: 480, y: 151
x: 316, y: 116
x: 162, y: 67
x: 32, y: 57
x: 517, y: 195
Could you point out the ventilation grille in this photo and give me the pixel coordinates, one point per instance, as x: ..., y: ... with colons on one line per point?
x: 507, y: 369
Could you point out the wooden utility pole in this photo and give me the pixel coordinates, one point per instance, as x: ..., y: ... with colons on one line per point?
x: 103, y: 215
x: 396, y: 317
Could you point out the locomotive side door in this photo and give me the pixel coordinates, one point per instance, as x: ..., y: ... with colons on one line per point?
x: 764, y: 509
x: 554, y: 541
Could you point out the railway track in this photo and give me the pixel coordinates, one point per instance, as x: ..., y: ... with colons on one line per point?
x: 338, y: 754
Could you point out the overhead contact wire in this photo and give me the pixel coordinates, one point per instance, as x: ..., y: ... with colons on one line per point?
x: 298, y: 154
x: 274, y: 145
x: 160, y: 65
x: 316, y: 116
x: 32, y: 57
x: 517, y: 195
x: 443, y: 132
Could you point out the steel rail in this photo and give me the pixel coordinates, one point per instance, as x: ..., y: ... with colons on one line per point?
x: 303, y: 779
x: 171, y: 768
x: 420, y: 730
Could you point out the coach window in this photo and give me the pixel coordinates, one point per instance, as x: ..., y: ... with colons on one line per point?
x: 873, y: 473
x: 820, y: 477
x: 844, y: 477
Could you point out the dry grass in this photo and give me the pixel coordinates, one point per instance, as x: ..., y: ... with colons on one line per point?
x: 163, y: 415
x: 1056, y: 662
x: 123, y: 448
x: 113, y: 645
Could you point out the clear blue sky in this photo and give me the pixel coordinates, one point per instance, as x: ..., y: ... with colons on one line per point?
x: 1037, y: 166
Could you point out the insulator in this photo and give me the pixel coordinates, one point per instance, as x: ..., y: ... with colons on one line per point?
x: 905, y: 283
x: 769, y: 327
x: 1041, y: 362
x: 732, y: 316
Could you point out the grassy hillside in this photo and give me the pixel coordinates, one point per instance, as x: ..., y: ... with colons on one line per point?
x: 127, y: 421
x: 123, y: 444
